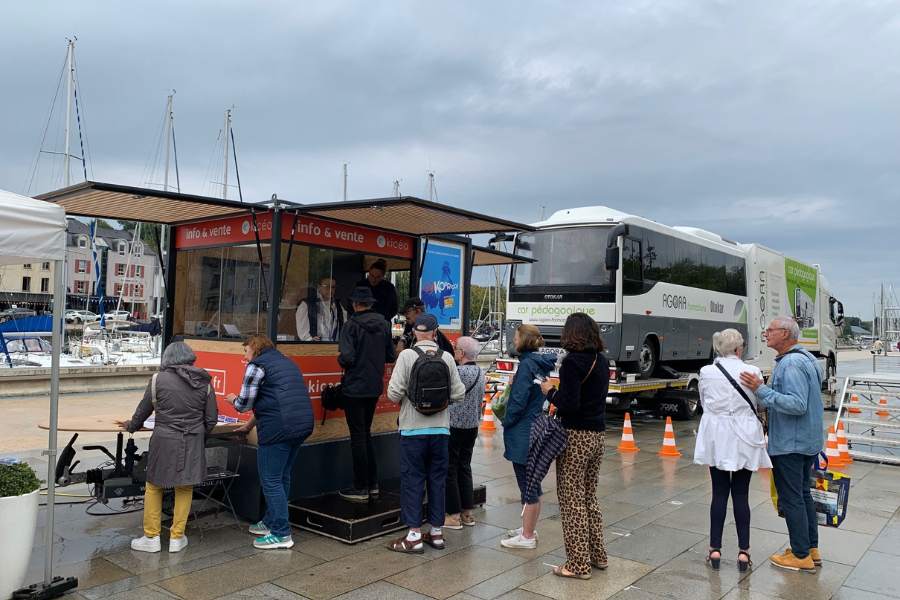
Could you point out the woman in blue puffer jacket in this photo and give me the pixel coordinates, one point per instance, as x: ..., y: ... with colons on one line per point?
x: 524, y: 404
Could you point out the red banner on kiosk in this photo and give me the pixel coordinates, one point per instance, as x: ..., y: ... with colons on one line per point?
x: 320, y: 232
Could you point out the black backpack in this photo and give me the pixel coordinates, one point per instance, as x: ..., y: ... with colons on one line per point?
x: 429, y: 382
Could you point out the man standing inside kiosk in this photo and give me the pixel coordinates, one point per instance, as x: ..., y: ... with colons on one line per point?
x: 384, y: 291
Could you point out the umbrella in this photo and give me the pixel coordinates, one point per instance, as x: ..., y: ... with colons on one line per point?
x: 547, y: 441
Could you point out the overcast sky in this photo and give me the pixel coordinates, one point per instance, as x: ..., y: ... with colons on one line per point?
x: 775, y: 122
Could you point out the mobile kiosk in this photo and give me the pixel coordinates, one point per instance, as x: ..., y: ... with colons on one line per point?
x: 225, y: 278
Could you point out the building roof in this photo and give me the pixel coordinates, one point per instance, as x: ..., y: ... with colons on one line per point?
x: 104, y: 237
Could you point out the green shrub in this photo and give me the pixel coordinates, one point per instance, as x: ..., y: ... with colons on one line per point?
x: 17, y: 479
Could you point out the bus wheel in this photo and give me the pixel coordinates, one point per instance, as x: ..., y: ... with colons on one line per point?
x: 648, y: 359
x: 689, y: 404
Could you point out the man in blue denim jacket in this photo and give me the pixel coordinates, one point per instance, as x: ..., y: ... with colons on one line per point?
x: 793, y: 399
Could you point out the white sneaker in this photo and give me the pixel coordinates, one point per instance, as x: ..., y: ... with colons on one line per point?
x: 146, y: 544
x: 519, y: 542
x: 178, y: 544
x: 514, y: 532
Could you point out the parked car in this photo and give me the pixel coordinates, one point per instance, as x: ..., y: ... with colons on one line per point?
x: 123, y: 315
x: 81, y: 316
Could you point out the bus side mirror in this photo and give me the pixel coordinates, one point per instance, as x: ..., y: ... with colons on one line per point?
x: 612, y: 258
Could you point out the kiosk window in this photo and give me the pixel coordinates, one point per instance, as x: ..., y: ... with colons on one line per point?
x: 220, y: 292
x: 316, y: 282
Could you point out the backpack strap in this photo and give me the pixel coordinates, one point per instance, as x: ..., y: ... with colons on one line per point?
x: 741, y: 391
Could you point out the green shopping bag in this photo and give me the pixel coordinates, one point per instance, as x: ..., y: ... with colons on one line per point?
x: 498, y: 404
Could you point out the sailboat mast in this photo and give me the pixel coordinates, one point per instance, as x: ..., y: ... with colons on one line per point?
x: 431, y: 186
x: 169, y: 123
x: 227, y: 130
x: 70, y: 50
x: 345, y: 182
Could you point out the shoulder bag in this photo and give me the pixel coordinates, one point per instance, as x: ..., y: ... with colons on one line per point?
x: 743, y: 394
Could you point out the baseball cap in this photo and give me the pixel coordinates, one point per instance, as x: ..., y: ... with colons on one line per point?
x: 426, y: 322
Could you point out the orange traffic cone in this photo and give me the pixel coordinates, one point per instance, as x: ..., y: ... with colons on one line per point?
x: 843, y: 447
x: 831, y: 449
x: 883, y: 403
x: 487, y: 420
x: 668, y: 447
x: 627, y: 444
x: 854, y: 408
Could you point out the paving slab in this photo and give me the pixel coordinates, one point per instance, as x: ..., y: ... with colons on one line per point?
x: 382, y: 590
x: 790, y: 585
x: 456, y: 572
x: 509, y: 580
x: 263, y: 591
x: 846, y: 547
x: 877, y: 573
x: 888, y: 541
x: 239, y: 574
x: 345, y: 574
x: 653, y: 544
x: 849, y: 593
x: 603, y: 584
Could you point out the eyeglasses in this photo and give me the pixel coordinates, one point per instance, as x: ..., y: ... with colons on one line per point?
x: 771, y: 329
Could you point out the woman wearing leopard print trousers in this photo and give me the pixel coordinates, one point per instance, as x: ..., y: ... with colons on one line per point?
x: 580, y: 403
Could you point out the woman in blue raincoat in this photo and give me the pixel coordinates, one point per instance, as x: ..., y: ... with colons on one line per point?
x: 524, y: 404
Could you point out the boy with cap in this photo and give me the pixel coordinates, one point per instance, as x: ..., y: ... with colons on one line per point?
x: 364, y: 347
x: 411, y: 310
x: 384, y: 291
x: 424, y: 439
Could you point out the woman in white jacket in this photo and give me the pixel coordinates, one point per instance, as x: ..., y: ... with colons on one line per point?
x: 730, y: 441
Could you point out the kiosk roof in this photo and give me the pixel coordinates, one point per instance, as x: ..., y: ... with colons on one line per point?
x: 405, y: 215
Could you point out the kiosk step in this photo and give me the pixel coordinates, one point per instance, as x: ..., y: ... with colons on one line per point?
x: 352, y: 522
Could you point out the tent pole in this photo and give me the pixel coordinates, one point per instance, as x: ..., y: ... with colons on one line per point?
x: 59, y: 300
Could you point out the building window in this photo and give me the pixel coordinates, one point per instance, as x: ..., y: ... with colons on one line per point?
x: 82, y: 266
x: 81, y: 287
x: 139, y: 271
x: 120, y: 269
x: 26, y: 284
x: 123, y: 248
x: 27, y: 266
x: 139, y: 290
x: 82, y: 241
x: 117, y: 289
x: 45, y: 266
x: 45, y: 284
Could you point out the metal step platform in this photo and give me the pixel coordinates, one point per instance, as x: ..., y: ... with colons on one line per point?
x: 872, y: 428
x: 352, y: 522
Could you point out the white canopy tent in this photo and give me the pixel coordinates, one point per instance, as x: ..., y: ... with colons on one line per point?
x: 31, y: 231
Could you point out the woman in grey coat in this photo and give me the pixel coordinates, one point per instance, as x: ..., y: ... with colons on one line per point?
x: 185, y: 407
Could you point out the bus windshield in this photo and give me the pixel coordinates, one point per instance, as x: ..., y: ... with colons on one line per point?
x: 571, y: 257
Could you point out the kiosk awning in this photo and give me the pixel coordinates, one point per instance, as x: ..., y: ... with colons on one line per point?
x: 412, y: 216
x: 408, y: 215
x: 126, y: 203
x: 488, y: 257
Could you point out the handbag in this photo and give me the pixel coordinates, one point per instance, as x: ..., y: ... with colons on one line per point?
x: 332, y: 399
x: 498, y: 404
x: 830, y: 491
x: 743, y: 394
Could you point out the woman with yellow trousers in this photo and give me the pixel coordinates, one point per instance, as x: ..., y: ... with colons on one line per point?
x: 185, y: 406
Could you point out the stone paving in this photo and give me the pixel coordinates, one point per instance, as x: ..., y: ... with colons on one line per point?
x: 656, y: 515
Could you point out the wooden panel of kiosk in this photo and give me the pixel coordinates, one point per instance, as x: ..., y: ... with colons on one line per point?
x: 225, y: 363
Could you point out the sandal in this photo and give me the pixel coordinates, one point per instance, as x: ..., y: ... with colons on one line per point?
x: 743, y: 565
x: 561, y: 571
x: 714, y: 561
x: 435, y: 540
x: 405, y: 546
x: 468, y: 520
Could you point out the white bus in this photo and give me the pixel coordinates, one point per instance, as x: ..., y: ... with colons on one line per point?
x: 659, y: 292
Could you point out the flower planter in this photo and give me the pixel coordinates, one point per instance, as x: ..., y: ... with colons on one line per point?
x: 18, y: 520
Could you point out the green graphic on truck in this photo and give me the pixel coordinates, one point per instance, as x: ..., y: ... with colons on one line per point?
x: 801, y: 289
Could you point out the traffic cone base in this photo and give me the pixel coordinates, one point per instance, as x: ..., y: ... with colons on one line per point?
x: 854, y: 409
x: 669, y: 448
x: 627, y: 444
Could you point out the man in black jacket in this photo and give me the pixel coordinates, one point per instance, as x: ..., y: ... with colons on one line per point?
x: 383, y: 290
x: 365, y: 346
x: 411, y: 310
